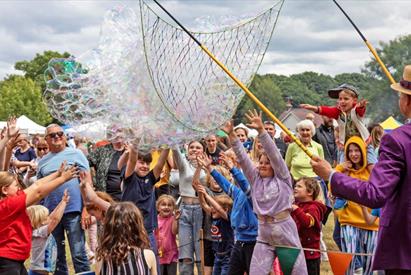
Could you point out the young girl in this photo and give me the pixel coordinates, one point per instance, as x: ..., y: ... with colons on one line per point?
x: 124, y: 245
x: 166, y: 234
x: 15, y: 226
x: 271, y: 191
x: 43, y: 224
x: 222, y: 234
x: 308, y: 213
x: 191, y: 214
x: 356, y: 234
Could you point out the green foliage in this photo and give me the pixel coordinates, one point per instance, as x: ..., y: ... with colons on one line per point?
x: 265, y: 90
x: 35, y: 68
x: 22, y: 96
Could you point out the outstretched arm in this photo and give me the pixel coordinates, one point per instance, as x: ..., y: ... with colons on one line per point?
x: 89, y: 195
x: 57, y: 213
x: 214, y: 204
x: 131, y: 163
x: 160, y: 163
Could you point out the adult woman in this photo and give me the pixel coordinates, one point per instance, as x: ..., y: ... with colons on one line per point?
x: 191, y: 218
x: 242, y: 134
x: 356, y: 234
x: 24, y: 154
x: 297, y: 161
x: 42, y: 149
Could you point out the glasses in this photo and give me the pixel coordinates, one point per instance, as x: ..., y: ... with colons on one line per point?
x: 42, y: 148
x: 57, y: 134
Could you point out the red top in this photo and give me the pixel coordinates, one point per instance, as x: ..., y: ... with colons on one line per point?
x: 334, y: 112
x: 15, y: 228
x: 308, y: 217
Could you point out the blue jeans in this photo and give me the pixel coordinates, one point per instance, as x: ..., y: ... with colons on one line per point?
x: 190, y: 224
x: 221, y: 264
x: 71, y: 224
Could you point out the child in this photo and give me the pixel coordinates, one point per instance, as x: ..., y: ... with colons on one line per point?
x: 242, y: 218
x: 138, y: 187
x: 271, y: 192
x: 349, y: 114
x: 356, y: 234
x: 308, y: 214
x: 166, y: 234
x: 219, y: 208
x: 43, y: 224
x: 124, y: 245
x: 15, y: 226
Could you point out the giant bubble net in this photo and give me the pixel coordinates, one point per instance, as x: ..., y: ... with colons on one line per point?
x: 150, y: 82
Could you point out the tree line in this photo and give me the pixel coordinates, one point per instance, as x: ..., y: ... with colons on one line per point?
x: 22, y: 94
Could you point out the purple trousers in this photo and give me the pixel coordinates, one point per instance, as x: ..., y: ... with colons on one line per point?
x: 276, y: 233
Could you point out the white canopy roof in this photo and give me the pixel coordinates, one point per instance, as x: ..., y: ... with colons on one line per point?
x: 27, y: 126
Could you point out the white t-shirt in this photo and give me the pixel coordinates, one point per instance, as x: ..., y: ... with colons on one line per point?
x: 43, y: 250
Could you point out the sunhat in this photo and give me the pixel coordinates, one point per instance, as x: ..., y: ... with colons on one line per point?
x: 404, y: 86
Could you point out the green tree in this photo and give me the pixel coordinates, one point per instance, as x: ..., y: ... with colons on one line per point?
x: 35, y: 68
x: 395, y: 54
x: 22, y: 96
x: 267, y: 92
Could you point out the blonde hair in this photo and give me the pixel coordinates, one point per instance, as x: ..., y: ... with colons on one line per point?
x: 166, y: 198
x: 376, y: 134
x: 255, y: 154
x: 6, y: 179
x: 38, y: 215
x: 220, y: 169
x: 224, y: 201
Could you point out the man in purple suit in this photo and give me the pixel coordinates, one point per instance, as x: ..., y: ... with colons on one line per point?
x: 388, y: 187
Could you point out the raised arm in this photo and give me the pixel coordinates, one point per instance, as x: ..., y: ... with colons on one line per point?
x: 9, y: 139
x: 89, y: 195
x: 245, y: 162
x: 214, y: 204
x: 201, y: 190
x: 37, y: 191
x: 123, y: 158
x: 131, y: 162
x: 160, y: 163
x: 276, y: 160
x: 57, y: 213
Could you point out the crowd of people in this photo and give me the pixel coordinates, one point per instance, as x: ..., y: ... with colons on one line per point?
x: 220, y: 205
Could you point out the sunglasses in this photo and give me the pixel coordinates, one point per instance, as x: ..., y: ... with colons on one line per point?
x: 42, y: 148
x: 57, y: 134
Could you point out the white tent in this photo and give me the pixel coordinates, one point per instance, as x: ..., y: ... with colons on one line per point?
x: 27, y: 126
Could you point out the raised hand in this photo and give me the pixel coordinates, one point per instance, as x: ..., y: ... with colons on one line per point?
x: 204, y: 161
x: 12, y: 129
x: 201, y: 189
x: 228, y: 127
x: 227, y: 161
x: 177, y: 214
x: 68, y: 172
x: 255, y: 120
x: 362, y: 103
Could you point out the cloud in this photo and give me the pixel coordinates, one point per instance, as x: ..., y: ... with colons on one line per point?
x: 310, y: 35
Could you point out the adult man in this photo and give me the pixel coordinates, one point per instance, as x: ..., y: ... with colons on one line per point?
x: 71, y: 221
x: 325, y: 136
x: 104, y: 160
x: 389, y: 186
x: 211, y: 148
x: 281, y: 145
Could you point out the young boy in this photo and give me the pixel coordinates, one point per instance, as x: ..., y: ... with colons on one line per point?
x: 222, y: 234
x: 138, y: 186
x: 308, y: 214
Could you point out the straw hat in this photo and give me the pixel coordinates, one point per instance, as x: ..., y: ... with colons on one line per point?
x: 404, y: 86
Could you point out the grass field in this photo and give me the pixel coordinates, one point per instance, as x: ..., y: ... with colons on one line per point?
x: 325, y: 267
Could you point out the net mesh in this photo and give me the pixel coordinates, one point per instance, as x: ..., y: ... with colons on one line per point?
x: 192, y: 87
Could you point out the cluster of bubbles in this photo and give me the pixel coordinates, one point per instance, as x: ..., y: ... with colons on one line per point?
x: 108, y: 92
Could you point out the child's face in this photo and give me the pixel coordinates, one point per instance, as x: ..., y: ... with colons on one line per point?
x: 354, y: 154
x: 264, y: 167
x: 301, y: 193
x: 195, y: 149
x: 142, y: 168
x: 165, y: 208
x: 346, y: 101
x: 214, y: 185
x: 11, y: 190
x: 240, y: 133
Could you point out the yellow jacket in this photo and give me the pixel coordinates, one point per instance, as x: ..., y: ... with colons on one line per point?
x: 351, y: 214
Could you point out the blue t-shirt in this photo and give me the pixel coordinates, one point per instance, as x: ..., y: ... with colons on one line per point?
x: 140, y: 191
x: 222, y: 235
x: 28, y: 155
x: 49, y: 164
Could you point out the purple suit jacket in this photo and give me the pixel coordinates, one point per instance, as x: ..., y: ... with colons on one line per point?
x: 389, y: 187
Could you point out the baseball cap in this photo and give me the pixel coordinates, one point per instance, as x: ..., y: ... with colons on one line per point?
x: 333, y: 93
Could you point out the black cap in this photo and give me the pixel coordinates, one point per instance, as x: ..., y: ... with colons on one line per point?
x: 333, y: 93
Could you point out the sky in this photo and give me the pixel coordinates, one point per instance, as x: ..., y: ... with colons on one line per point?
x: 311, y: 35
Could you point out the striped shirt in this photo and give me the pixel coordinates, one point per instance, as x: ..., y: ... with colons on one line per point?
x: 134, y: 265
